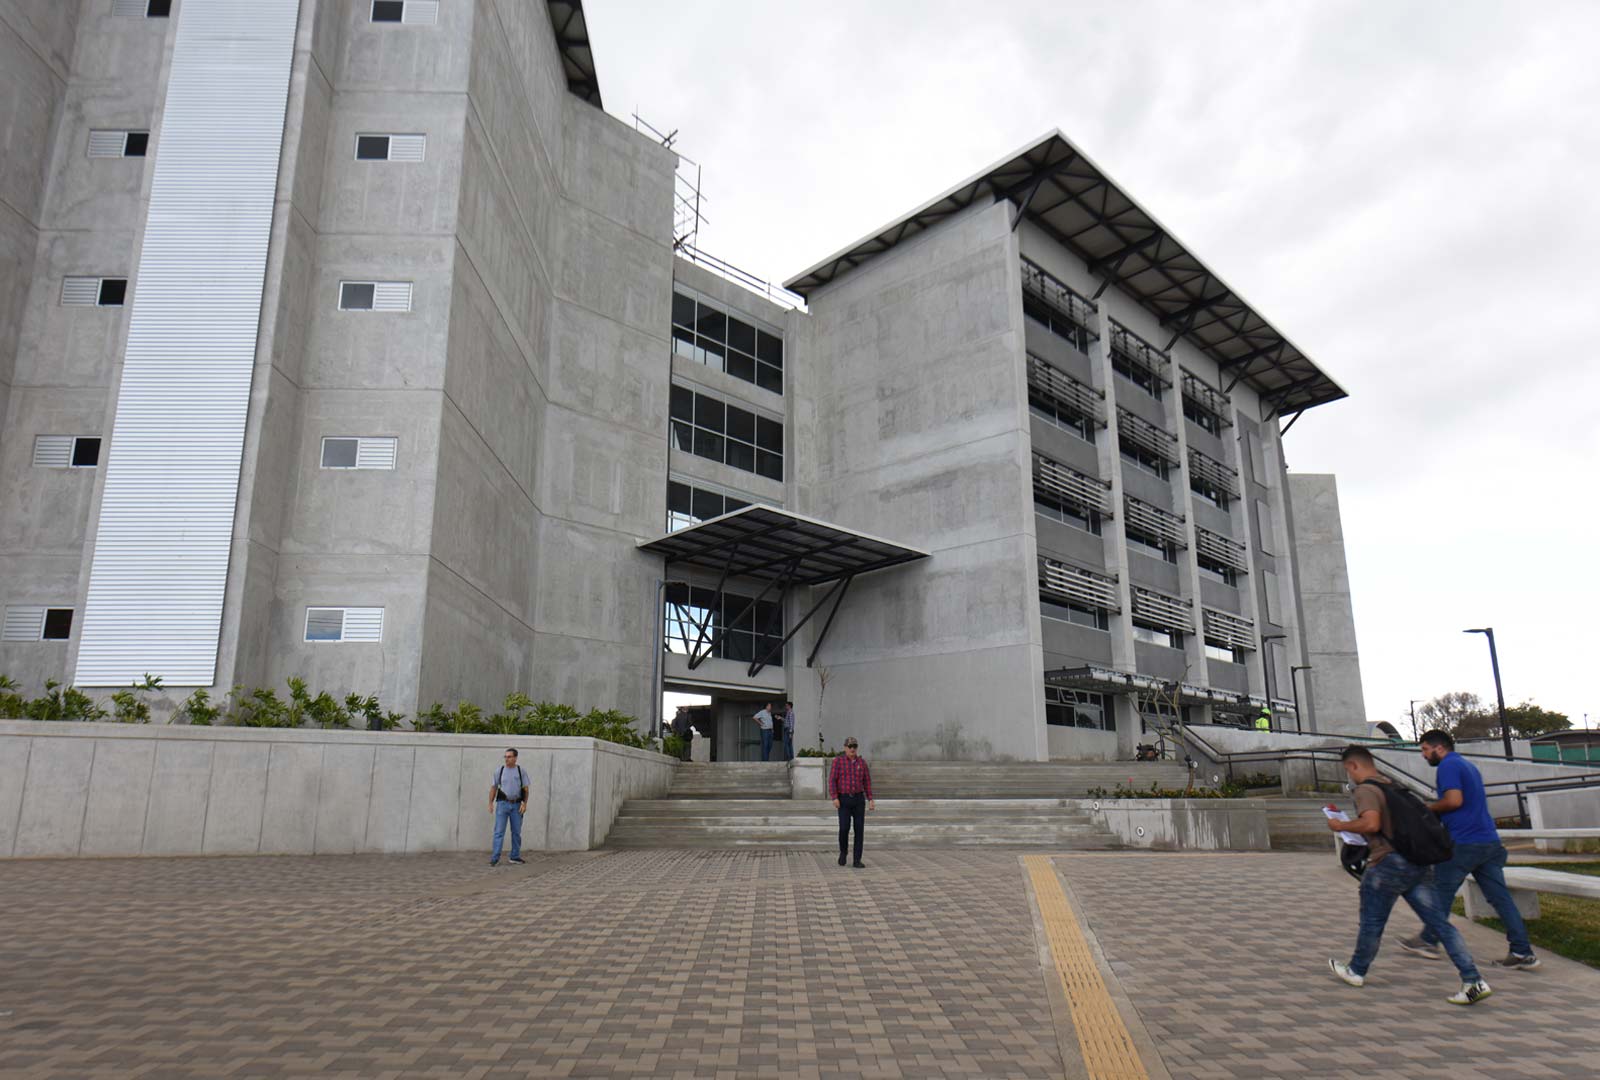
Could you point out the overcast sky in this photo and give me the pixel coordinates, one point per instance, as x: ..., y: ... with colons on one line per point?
x: 1407, y: 190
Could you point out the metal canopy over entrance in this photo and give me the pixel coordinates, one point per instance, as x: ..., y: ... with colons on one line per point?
x: 784, y: 551
x: 1107, y: 681
x: 1057, y: 187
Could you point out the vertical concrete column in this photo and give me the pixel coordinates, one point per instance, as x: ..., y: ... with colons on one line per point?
x: 1194, y: 651
x: 1278, y: 499
x: 1239, y: 516
x: 1113, y: 534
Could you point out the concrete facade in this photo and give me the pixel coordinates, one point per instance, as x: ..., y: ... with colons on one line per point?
x: 528, y: 388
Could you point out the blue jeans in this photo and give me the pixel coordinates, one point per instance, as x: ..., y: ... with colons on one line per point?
x: 507, y: 812
x: 788, y: 744
x: 1387, y: 882
x: 766, y: 744
x: 1486, y: 863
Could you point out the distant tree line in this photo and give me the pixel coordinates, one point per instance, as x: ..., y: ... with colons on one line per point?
x: 1465, y: 716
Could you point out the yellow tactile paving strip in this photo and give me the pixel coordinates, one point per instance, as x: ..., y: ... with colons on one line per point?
x: 1108, y: 1051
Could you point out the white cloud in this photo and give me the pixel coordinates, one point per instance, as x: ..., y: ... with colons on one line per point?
x: 1403, y: 189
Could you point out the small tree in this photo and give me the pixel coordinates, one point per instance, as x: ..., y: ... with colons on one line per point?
x: 1458, y: 713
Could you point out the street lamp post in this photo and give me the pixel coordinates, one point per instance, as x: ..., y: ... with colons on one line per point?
x: 1499, y: 694
x: 1416, y: 732
x: 1293, y: 671
x: 1267, y: 665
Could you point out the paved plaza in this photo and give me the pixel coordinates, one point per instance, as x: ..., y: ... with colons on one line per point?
x: 743, y: 964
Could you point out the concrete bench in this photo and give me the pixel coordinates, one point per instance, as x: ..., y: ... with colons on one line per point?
x: 1526, y: 883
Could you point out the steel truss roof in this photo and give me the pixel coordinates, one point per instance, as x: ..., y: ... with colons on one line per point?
x: 1057, y: 187
x: 577, y: 57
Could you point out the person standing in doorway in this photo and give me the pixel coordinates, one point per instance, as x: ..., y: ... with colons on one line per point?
x: 850, y: 787
x: 1464, y: 809
x: 788, y: 731
x: 763, y: 719
x: 508, y: 801
x: 1390, y: 876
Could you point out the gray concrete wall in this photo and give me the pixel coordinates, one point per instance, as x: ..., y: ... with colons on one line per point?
x: 1186, y: 824
x: 113, y: 790
x: 1334, y: 681
x: 914, y: 370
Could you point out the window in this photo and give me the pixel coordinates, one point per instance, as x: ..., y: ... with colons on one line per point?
x: 375, y: 295
x: 1224, y: 653
x: 1266, y: 528
x: 1053, y: 608
x: 409, y: 12
x: 117, y: 144
x: 1209, y: 491
x: 407, y: 148
x: 1156, y: 635
x: 1062, y: 415
x: 1057, y: 307
x: 66, y: 451
x: 28, y: 622
x: 1201, y: 418
x: 705, y: 333
x: 734, y: 628
x: 152, y: 9
x: 344, y: 624
x: 1217, y: 570
x: 1136, y: 374
x: 1150, y: 544
x: 1065, y: 707
x: 688, y: 505
x: 707, y: 427
x: 1068, y: 513
x: 94, y: 291
x: 1143, y: 459
x: 358, y: 452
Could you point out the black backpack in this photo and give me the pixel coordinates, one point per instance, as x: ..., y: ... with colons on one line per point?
x: 1417, y: 833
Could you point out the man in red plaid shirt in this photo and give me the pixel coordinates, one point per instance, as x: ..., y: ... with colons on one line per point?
x: 850, y: 787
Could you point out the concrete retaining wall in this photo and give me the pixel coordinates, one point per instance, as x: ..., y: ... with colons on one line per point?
x: 113, y: 789
x: 1186, y: 824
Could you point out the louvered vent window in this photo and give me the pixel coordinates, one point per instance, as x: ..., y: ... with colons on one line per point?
x: 358, y: 452
x: 116, y: 144
x: 390, y: 147
x: 94, y: 291
x: 344, y: 624
x: 66, y: 451
x: 27, y: 622
x: 375, y: 295
x: 409, y: 12
x: 150, y: 9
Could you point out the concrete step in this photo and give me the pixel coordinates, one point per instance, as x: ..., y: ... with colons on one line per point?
x: 879, y: 834
x: 732, y: 779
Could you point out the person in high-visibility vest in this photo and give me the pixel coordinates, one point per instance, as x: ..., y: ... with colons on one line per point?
x: 1264, y: 721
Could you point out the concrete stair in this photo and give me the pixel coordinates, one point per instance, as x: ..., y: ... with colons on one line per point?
x: 1297, y: 823
x: 731, y: 780
x: 897, y: 823
x: 1018, y: 780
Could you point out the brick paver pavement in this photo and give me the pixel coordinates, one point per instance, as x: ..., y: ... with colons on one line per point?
x: 629, y: 963
x: 1225, y: 958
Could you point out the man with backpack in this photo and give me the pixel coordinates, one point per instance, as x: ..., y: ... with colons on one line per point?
x: 508, y: 801
x: 1406, y: 840
x: 1464, y: 809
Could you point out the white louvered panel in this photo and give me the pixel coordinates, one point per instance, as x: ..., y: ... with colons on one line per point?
x: 1071, y: 485
x: 1225, y: 551
x: 1226, y: 628
x: 420, y: 12
x: 1214, y: 472
x: 363, y: 624
x: 1159, y: 609
x: 130, y: 7
x: 1155, y: 521
x: 23, y: 623
x: 1207, y: 397
x: 1080, y: 586
x: 1140, y: 353
x: 1064, y: 389
x: 407, y: 147
x: 103, y: 144
x: 161, y: 550
x: 375, y: 453
x: 52, y: 451
x: 1147, y: 436
x: 80, y: 290
x: 1058, y: 295
x: 391, y: 296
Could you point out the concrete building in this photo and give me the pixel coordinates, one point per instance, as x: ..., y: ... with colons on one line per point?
x: 350, y: 339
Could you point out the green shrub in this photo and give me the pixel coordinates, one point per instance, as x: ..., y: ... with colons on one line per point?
x: 1156, y: 791
x: 198, y: 710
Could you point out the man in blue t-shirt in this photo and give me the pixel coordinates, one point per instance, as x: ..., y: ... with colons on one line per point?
x: 1464, y: 809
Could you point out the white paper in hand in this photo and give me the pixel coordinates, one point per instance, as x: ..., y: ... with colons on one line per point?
x: 1335, y: 814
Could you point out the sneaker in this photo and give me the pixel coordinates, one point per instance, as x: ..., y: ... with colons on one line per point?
x: 518, y: 860
x: 1518, y: 962
x: 494, y: 862
x: 859, y: 865
x: 1417, y: 947
x: 1470, y: 993
x: 1345, y: 975
x: 841, y: 860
